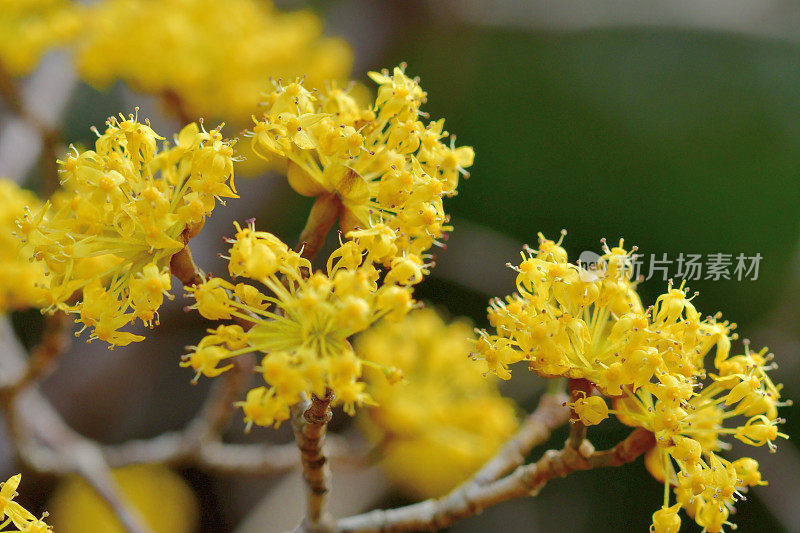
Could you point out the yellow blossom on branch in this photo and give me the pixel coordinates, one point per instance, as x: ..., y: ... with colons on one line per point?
x: 566, y: 320
x: 389, y: 169
x: 124, y: 210
x: 301, y: 323
x: 444, y: 420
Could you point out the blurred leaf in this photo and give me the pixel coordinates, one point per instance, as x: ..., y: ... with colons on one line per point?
x: 679, y: 141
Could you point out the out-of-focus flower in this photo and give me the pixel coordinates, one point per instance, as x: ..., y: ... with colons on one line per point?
x: 162, y: 498
x: 21, y: 280
x: 210, y: 58
x: 124, y: 210
x: 31, y: 27
x: 445, y: 419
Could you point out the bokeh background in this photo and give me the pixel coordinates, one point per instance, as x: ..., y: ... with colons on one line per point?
x: 674, y: 124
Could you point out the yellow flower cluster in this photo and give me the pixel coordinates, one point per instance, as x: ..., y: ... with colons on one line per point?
x: 213, y: 57
x: 445, y: 420
x: 29, y: 28
x: 689, y: 425
x: 302, y: 324
x: 590, y: 324
x: 20, y: 279
x: 388, y: 168
x: 15, y: 514
x: 577, y: 323
x: 125, y: 209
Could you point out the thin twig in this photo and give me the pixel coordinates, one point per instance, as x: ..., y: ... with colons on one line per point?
x: 310, y: 418
x: 534, y: 430
x: 44, y: 440
x: 176, y: 104
x: 53, y: 343
x: 247, y: 459
x: 257, y: 459
x: 186, y: 445
x: 47, y: 444
x: 9, y: 92
x: 260, y: 459
x: 525, y: 480
x: 310, y: 423
x: 50, y: 136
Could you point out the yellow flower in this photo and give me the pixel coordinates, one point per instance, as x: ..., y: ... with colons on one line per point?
x: 301, y: 323
x: 211, y: 58
x: 590, y: 410
x: 31, y: 27
x: 20, y: 279
x: 389, y: 169
x: 15, y: 513
x: 124, y: 210
x: 445, y: 419
x: 689, y: 425
x: 666, y: 520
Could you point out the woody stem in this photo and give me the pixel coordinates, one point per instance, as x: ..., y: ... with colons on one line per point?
x: 310, y: 424
x: 325, y: 211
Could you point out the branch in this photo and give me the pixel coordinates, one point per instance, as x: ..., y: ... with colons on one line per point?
x: 310, y: 423
x: 42, y: 437
x: 534, y: 430
x: 259, y: 460
x: 524, y: 481
x: 183, y: 267
x: 49, y: 135
x: 247, y: 459
x: 323, y: 215
x: 310, y: 418
x: 176, y: 104
x: 639, y: 441
x: 186, y: 445
x: 9, y: 93
x: 44, y: 440
x: 60, y: 449
x: 578, y: 388
x: 54, y: 341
